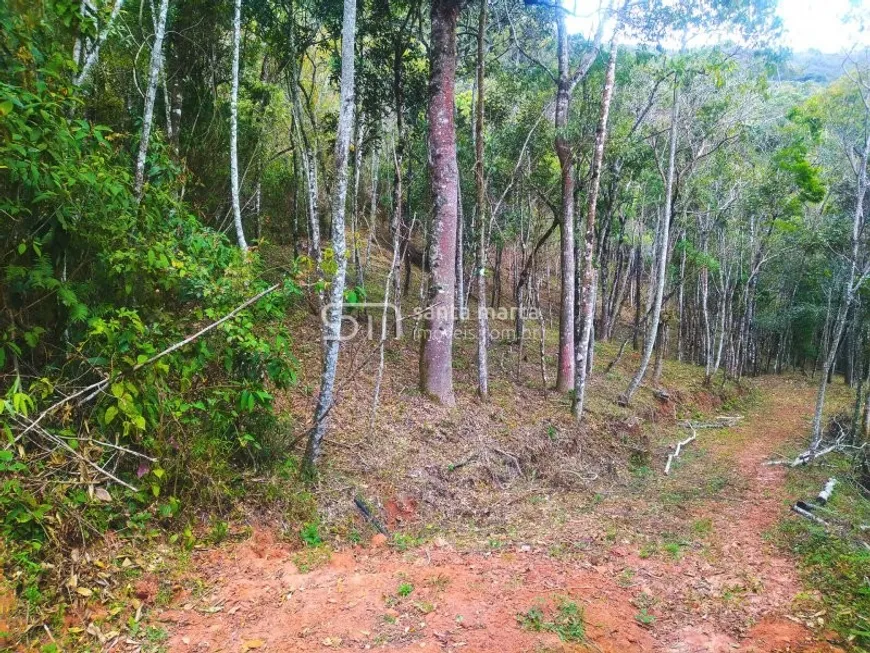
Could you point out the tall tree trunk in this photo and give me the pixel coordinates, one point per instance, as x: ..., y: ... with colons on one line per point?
x: 333, y: 311
x: 586, y: 309
x: 398, y: 220
x: 93, y: 55
x: 662, y: 266
x: 681, y: 300
x: 234, y: 130
x: 436, y: 353
x: 565, y: 370
x: 482, y: 321
x: 459, y: 291
x: 309, y: 165
x: 150, y: 97
x: 354, y: 201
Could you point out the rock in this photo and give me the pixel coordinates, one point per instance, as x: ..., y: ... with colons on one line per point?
x: 379, y: 541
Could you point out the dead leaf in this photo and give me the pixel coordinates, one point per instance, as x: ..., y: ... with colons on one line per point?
x: 252, y: 644
x: 84, y: 591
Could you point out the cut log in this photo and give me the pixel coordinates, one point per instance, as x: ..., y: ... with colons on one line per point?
x: 800, y: 509
x: 827, y: 491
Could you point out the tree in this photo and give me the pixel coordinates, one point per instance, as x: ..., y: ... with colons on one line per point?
x: 334, y: 309
x: 91, y: 55
x: 586, y: 310
x: 436, y: 354
x: 150, y: 98
x: 480, y: 183
x: 234, y: 129
x: 566, y: 82
x: 661, y: 265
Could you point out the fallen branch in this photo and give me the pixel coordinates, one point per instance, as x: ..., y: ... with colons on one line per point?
x: 810, y: 455
x: 75, y: 454
x: 370, y: 518
x: 462, y: 463
x: 91, y: 391
x: 679, y: 447
x: 721, y: 422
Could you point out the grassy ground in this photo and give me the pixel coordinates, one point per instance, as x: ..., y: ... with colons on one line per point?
x: 834, y: 559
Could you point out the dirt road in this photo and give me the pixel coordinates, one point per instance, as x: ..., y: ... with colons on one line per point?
x: 731, y: 590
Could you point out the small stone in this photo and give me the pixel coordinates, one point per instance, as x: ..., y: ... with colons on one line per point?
x: 379, y: 541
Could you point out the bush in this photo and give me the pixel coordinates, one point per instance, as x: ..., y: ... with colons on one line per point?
x: 95, y: 284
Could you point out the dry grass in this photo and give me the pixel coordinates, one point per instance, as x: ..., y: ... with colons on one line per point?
x: 514, y: 468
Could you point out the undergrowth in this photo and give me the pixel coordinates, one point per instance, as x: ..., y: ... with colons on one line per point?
x: 566, y: 620
x: 834, y: 560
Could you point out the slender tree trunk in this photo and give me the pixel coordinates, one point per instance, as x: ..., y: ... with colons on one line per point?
x: 565, y: 372
x: 354, y: 201
x: 482, y: 321
x: 586, y: 309
x: 459, y: 291
x: 681, y: 301
x: 383, y: 338
x: 150, y: 97
x: 373, y: 209
x: 436, y: 354
x: 309, y: 165
x: 234, y: 130
x: 333, y: 311
x: 849, y: 292
x: 92, y: 56
x: 398, y: 219
x: 661, y: 268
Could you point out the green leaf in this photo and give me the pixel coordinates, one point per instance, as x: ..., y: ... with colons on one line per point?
x: 6, y: 108
x: 111, y: 413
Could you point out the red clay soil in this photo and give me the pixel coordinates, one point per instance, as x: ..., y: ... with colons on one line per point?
x: 259, y: 600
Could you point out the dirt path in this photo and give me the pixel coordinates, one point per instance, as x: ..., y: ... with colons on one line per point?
x: 734, y: 593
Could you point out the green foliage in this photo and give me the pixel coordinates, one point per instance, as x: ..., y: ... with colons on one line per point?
x: 310, y: 534
x: 568, y: 622
x: 95, y: 284
x: 405, y: 589
x: 838, y: 569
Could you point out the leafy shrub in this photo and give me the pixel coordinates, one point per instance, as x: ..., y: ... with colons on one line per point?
x: 95, y: 284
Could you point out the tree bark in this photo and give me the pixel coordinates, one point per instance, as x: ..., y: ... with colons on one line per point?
x: 150, y: 97
x: 565, y: 370
x: 482, y: 321
x: 234, y: 130
x: 93, y: 56
x: 586, y: 309
x: 333, y: 311
x: 436, y: 354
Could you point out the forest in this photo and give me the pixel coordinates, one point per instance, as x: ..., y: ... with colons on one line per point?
x: 504, y: 325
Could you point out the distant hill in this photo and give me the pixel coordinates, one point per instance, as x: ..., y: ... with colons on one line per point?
x: 812, y: 66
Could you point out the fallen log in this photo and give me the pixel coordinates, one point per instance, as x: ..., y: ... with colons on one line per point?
x: 827, y: 491
x: 801, y: 509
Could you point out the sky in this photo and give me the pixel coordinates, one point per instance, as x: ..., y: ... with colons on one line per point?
x: 818, y: 24
x: 807, y: 24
